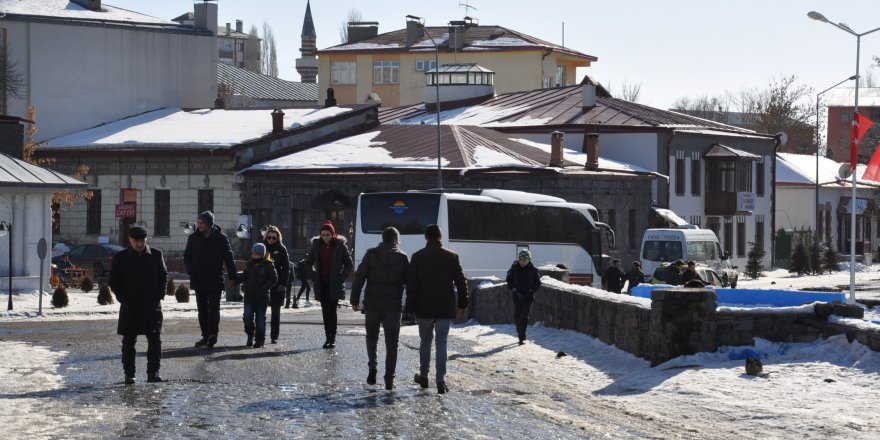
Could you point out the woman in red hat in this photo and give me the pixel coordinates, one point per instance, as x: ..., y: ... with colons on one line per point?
x: 331, y: 263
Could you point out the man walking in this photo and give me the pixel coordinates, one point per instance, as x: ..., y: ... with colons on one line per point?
x: 207, y: 250
x: 138, y: 277
x: 614, y: 277
x: 383, y: 269
x: 434, y: 277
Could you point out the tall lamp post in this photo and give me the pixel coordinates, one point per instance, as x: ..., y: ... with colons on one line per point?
x: 852, y: 242
x: 6, y: 228
x: 437, y: 97
x: 818, y: 96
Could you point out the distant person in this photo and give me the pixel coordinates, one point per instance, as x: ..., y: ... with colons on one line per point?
x: 675, y: 275
x: 523, y: 280
x: 303, y: 275
x: 207, y: 250
x: 67, y: 270
x: 383, y: 270
x: 281, y: 260
x: 690, y: 273
x: 614, y: 277
x: 434, y: 277
x: 634, y: 276
x: 138, y: 277
x: 259, y: 278
x: 331, y: 264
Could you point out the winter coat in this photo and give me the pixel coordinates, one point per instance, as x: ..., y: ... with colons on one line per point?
x: 613, y: 279
x: 259, y: 279
x: 302, y: 270
x: 523, y: 282
x: 282, y: 268
x: 688, y: 275
x: 340, y: 268
x: 634, y: 277
x: 434, y: 276
x: 139, y: 282
x: 384, y: 271
x: 204, y: 258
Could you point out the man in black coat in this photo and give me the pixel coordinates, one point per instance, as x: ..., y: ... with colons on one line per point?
x: 207, y: 250
x: 434, y: 277
x: 523, y: 280
x: 383, y: 269
x: 138, y: 277
x: 614, y: 277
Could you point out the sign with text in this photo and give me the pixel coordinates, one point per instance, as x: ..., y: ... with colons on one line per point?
x: 745, y: 201
x: 126, y: 210
x: 129, y: 195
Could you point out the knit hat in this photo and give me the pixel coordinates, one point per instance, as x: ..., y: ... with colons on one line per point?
x: 525, y: 254
x: 207, y: 217
x: 259, y: 249
x: 328, y: 226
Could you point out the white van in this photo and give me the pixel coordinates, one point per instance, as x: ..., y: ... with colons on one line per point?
x: 663, y: 246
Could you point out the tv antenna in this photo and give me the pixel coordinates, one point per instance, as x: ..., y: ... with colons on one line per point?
x: 467, y: 6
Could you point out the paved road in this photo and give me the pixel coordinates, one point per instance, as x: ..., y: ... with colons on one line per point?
x: 291, y: 390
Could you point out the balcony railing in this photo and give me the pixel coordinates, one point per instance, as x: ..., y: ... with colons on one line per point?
x: 720, y: 203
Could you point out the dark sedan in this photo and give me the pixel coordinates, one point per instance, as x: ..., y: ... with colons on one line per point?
x: 92, y: 256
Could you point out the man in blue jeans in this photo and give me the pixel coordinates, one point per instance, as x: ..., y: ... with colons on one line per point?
x: 435, y: 276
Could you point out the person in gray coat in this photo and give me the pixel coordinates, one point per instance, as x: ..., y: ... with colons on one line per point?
x: 383, y: 269
x: 331, y: 264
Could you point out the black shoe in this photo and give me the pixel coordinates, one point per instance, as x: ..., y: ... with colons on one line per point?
x: 258, y: 344
x: 154, y: 377
x: 274, y: 341
x: 442, y: 388
x: 250, y: 342
x: 422, y: 381
x: 202, y: 342
x: 389, y: 384
x: 371, y: 378
x: 211, y: 341
x: 295, y: 306
x: 522, y: 341
x: 129, y: 379
x: 331, y: 342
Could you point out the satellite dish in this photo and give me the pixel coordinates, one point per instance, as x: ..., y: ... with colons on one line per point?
x: 783, y: 138
x: 843, y: 171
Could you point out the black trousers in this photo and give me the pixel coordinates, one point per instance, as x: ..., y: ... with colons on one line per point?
x: 276, y: 300
x: 208, y: 303
x: 305, y: 286
x: 154, y: 352
x: 328, y: 311
x: 390, y: 321
x: 521, y: 316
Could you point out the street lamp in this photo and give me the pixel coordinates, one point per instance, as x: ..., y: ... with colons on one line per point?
x: 244, y: 229
x: 852, y: 242
x: 6, y: 228
x: 819, y: 95
x: 421, y: 23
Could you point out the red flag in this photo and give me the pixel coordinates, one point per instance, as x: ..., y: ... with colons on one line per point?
x: 873, y: 170
x: 860, y: 126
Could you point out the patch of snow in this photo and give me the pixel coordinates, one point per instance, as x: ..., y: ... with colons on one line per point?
x: 502, y: 42
x: 362, y: 46
x: 581, y: 158
x: 70, y: 10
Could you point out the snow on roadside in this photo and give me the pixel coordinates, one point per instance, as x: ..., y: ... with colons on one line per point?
x: 782, y: 279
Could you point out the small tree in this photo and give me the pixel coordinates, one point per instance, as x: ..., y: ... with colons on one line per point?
x: 104, y: 295
x: 754, y: 266
x: 830, y: 259
x: 59, y: 297
x: 800, y: 260
x: 86, y: 284
x: 816, y: 258
x: 182, y: 293
x: 169, y: 287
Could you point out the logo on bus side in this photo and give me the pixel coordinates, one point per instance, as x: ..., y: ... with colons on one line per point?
x: 399, y: 207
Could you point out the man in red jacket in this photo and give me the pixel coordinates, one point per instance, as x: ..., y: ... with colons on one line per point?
x: 434, y: 277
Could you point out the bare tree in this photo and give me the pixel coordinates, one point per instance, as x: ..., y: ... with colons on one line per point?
x: 631, y: 91
x: 252, y: 58
x: 11, y: 81
x: 269, y: 55
x: 352, y: 16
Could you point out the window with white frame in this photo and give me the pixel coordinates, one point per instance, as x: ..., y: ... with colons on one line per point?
x: 560, y: 76
x: 343, y: 72
x: 423, y: 65
x: 386, y: 72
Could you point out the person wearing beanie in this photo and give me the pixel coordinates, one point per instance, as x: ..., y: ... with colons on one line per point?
x: 331, y: 264
x: 523, y: 280
x: 259, y: 277
x: 634, y: 276
x: 207, y: 251
x: 280, y: 259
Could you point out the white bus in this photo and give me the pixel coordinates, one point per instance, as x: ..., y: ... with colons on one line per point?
x: 489, y: 227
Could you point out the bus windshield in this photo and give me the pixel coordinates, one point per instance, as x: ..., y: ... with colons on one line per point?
x: 410, y: 213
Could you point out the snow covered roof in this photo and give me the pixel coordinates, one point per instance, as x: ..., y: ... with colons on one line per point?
x: 845, y: 97
x: 20, y: 174
x: 800, y: 169
x: 65, y: 9
x: 174, y: 128
x: 258, y: 86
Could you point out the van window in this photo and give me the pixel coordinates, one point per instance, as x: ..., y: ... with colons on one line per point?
x: 702, y: 250
x: 662, y: 250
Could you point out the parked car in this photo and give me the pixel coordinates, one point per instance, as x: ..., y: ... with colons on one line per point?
x: 728, y: 273
x: 92, y: 256
x: 708, y: 276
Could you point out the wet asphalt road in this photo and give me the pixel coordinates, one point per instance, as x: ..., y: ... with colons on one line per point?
x: 293, y: 389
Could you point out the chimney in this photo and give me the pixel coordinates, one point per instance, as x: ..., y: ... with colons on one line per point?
x: 228, y: 28
x: 591, y: 148
x: 239, y: 26
x: 557, y: 138
x: 588, y: 94
x: 12, y: 136
x: 457, y: 30
x: 92, y: 5
x: 277, y: 121
x: 331, y: 98
x: 205, y: 16
x: 361, y: 30
x: 415, y: 30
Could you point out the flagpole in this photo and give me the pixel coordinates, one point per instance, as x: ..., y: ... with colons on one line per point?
x: 852, y: 223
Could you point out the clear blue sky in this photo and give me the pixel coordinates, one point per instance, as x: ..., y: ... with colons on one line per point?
x: 673, y: 48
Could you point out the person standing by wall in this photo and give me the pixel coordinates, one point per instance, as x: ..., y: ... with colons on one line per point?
x: 207, y: 250
x: 614, y: 277
x: 275, y: 248
x: 260, y: 278
x: 434, y: 277
x: 383, y: 269
x: 523, y: 280
x: 331, y: 264
x: 634, y: 276
x: 137, y: 277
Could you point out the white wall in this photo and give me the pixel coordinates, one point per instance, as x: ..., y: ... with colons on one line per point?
x: 29, y: 212
x: 82, y: 76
